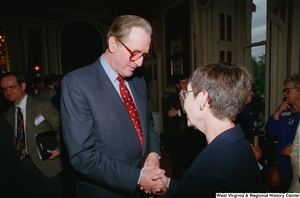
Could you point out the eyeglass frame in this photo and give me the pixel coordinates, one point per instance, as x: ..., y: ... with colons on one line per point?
x: 132, y: 54
x: 13, y: 87
x: 184, y: 93
x: 287, y: 90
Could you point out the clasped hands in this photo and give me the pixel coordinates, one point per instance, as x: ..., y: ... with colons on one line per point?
x: 152, y: 175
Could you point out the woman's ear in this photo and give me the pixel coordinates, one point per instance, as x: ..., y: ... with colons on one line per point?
x: 202, y: 99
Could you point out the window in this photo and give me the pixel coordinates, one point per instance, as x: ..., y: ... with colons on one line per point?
x: 254, y: 52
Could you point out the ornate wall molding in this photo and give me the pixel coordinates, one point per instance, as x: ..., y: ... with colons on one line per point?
x: 200, y: 36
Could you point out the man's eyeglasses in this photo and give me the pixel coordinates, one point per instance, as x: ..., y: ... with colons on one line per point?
x: 5, y: 89
x: 184, y: 93
x: 134, y: 56
x: 287, y: 90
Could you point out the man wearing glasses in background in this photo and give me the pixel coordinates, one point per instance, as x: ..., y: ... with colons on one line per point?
x: 115, y: 156
x: 27, y: 117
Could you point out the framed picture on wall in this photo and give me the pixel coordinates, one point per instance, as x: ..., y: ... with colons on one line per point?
x: 176, y: 67
x: 176, y: 46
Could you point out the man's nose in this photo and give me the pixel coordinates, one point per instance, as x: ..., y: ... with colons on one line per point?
x: 139, y: 62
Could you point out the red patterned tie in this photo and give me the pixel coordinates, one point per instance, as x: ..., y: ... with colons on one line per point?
x: 130, y: 106
x: 20, y: 135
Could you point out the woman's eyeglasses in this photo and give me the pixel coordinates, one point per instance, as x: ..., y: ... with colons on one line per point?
x: 184, y: 93
x: 287, y: 90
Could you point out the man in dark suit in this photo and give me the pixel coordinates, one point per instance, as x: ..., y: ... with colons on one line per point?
x: 52, y: 81
x: 184, y: 142
x: 103, y: 143
x: 38, y: 84
x: 177, y: 128
x: 40, y: 177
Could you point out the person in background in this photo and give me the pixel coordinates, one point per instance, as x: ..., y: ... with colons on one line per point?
x: 52, y: 81
x: 56, y: 98
x: 177, y: 128
x: 28, y: 117
x: 4, y: 103
x: 295, y: 156
x: 283, y: 124
x: 10, y: 164
x: 227, y: 163
x: 184, y: 142
x: 38, y: 84
x: 247, y: 119
x: 115, y: 156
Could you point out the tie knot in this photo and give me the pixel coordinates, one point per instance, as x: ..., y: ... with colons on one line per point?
x: 120, y: 79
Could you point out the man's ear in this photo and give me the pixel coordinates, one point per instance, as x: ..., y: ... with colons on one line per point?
x: 23, y: 86
x: 112, y: 44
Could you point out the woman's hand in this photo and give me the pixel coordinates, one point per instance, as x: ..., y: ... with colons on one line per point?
x: 287, y: 150
x: 283, y: 107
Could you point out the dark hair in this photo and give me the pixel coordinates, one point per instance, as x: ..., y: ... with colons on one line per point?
x: 20, y: 78
x: 179, y: 77
x: 37, y: 80
x: 227, y: 85
x: 51, y: 78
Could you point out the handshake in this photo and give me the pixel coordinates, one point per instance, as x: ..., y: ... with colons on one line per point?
x: 154, y: 181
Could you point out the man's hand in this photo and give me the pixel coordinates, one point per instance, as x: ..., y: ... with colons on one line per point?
x: 172, y: 112
x: 152, y: 161
x: 54, y: 153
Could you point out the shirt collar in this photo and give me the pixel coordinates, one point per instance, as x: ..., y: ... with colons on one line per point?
x: 112, y: 75
x: 23, y: 102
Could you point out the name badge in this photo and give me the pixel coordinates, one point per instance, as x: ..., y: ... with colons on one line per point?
x: 38, y: 119
x: 288, y: 113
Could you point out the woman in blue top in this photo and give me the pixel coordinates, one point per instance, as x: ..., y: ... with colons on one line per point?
x: 283, y: 123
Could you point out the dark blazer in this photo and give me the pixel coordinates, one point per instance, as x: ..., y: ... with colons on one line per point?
x: 175, y: 137
x: 173, y: 101
x: 35, y: 107
x: 247, y: 119
x: 46, y: 93
x: 9, y: 161
x: 98, y: 132
x: 227, y: 164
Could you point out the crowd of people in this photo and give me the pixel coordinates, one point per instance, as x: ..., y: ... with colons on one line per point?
x: 105, y: 134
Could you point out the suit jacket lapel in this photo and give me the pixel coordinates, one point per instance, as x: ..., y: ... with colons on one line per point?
x: 29, y: 116
x: 107, y: 94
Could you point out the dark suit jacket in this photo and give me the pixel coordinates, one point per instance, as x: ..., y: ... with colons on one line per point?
x: 173, y: 122
x: 35, y: 107
x: 98, y: 132
x: 46, y: 93
x: 175, y: 138
x: 247, y: 119
x: 9, y: 162
x: 227, y: 164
